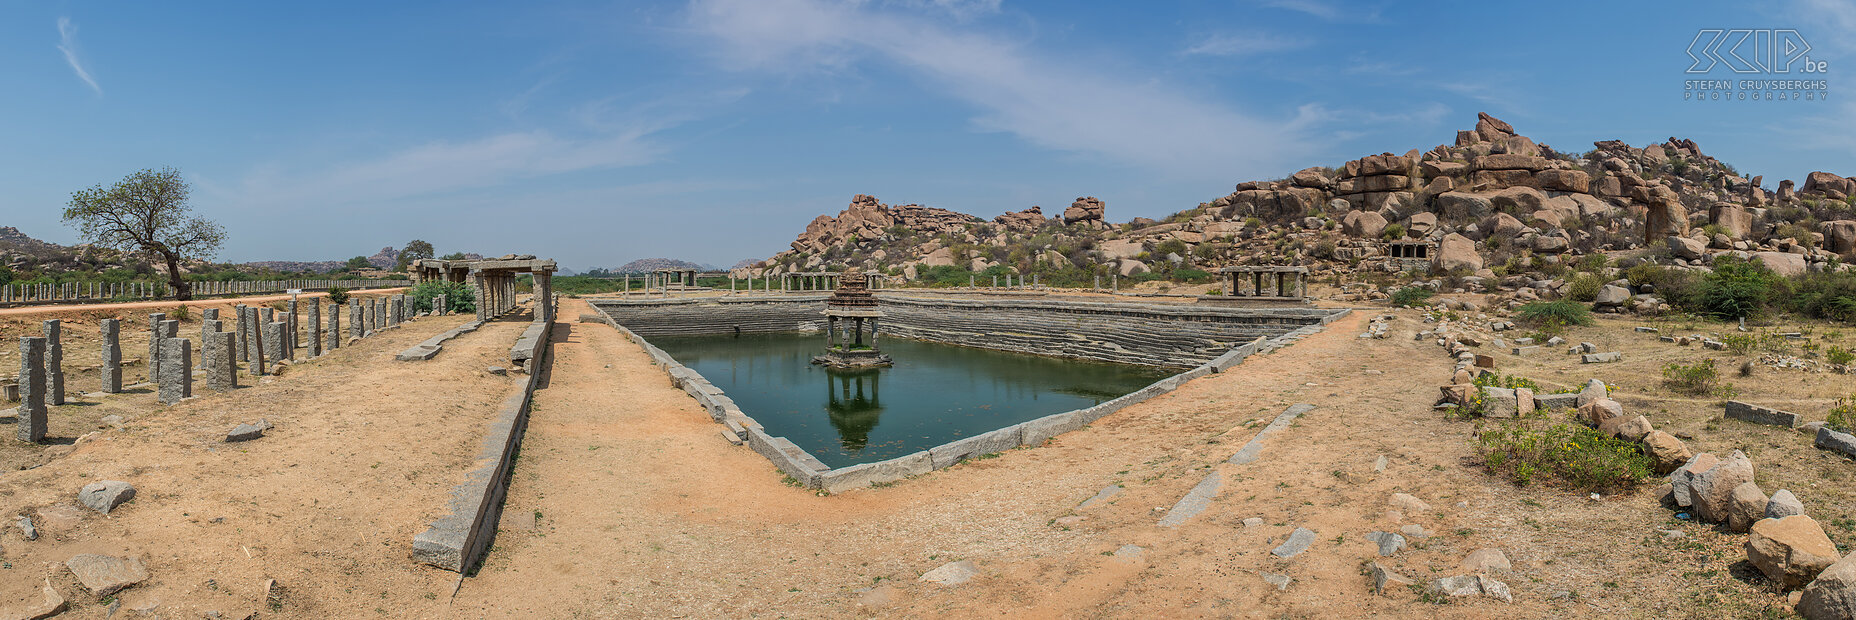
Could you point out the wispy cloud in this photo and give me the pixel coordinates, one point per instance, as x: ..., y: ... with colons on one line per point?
x: 67, y: 43
x: 1066, y: 106
x: 1327, y: 11
x: 1244, y: 44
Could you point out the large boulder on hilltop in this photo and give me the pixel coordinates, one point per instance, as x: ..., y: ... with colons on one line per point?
x: 1316, y: 177
x: 1379, y: 183
x: 1508, y: 161
x: 1501, y: 226
x: 1490, y: 128
x: 1368, y: 224
x: 1456, y: 252
x: 1275, y: 204
x: 1735, y: 219
x: 1373, y: 165
x: 1085, y: 209
x: 1564, y: 180
x: 1462, y: 206
x: 939, y: 258
x: 1828, y: 184
x: 1839, y: 235
x: 1686, y: 248
x: 1666, y: 216
x: 1022, y: 221
x: 1519, y: 200
x: 1516, y: 145
x: 1782, y: 263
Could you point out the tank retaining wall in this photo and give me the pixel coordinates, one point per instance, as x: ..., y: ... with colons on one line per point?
x: 741, y: 429
x: 1166, y: 335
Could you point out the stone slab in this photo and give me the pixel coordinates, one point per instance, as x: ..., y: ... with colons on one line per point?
x: 1843, y: 443
x: 1756, y: 414
x: 866, y: 474
x: 947, y: 454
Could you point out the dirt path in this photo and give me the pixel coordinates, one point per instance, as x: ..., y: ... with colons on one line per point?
x: 218, y: 301
x: 364, y: 454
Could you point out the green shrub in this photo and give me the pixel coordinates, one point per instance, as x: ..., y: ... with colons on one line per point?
x: 1739, y: 344
x: 1839, y: 355
x: 1394, y: 232
x: 1843, y: 415
x: 1534, y: 449
x: 1188, y: 274
x: 1585, y: 288
x: 338, y: 295
x: 1496, y: 379
x: 1553, y: 314
x: 1737, y: 289
x: 458, y: 296
x: 1411, y: 296
x: 180, y: 313
x: 1697, y: 379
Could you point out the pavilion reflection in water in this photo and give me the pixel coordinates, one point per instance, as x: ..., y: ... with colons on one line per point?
x: 854, y: 402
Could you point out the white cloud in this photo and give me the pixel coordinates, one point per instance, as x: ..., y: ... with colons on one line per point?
x: 1060, y: 105
x: 1244, y: 44
x: 67, y: 43
x: 1326, y: 11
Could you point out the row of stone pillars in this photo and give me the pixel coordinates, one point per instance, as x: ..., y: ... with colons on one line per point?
x: 261, y: 337
x: 70, y: 291
x: 496, y: 293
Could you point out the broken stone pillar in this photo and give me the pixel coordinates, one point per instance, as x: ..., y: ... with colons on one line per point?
x: 54, y: 362
x: 176, y: 370
x: 274, y: 339
x: 314, y: 337
x: 221, y: 371
x: 32, y: 419
x: 154, y: 345
x: 112, y: 356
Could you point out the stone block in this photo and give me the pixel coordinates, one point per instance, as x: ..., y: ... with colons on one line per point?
x: 771, y: 448
x: 1527, y: 350
x: 221, y: 371
x: 947, y: 454
x: 54, y: 362
x: 112, y: 355
x: 1499, y: 402
x: 1568, y: 400
x: 1830, y: 439
x: 177, y: 370
x: 1036, y: 432
x: 863, y: 475
x: 275, y: 340
x: 1601, y: 358
x: 31, y: 418
x: 314, y: 323
x: 1761, y: 415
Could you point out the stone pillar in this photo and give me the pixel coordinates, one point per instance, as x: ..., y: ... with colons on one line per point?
x: 314, y: 337
x: 872, y: 332
x: 154, y: 345
x: 221, y: 371
x: 274, y: 339
x: 290, y: 332
x: 209, y: 318
x: 483, y: 294
x: 255, y: 328
x: 32, y: 418
x: 354, y: 318
x: 544, y: 296
x: 393, y: 311
x: 335, y: 328
x: 54, y: 362
x: 380, y: 314
x: 176, y: 370
x: 112, y: 356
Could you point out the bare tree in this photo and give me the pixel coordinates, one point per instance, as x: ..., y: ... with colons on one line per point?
x: 147, y: 211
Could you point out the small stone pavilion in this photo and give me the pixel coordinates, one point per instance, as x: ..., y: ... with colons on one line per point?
x: 851, y: 306
x: 493, y: 280
x: 1264, y: 283
x: 679, y: 277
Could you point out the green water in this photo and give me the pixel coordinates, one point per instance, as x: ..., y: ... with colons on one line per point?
x: 933, y: 394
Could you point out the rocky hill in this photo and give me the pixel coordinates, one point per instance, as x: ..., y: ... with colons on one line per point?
x: 1493, y: 206
x: 643, y: 265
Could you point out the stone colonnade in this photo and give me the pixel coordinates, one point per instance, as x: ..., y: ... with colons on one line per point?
x: 1268, y: 282
x: 106, y: 291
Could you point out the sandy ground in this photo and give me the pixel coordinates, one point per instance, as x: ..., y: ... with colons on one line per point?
x: 364, y: 453
x: 626, y: 502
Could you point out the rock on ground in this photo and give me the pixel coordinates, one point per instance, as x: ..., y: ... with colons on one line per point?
x: 1297, y: 543
x: 1712, y: 490
x: 1746, y: 505
x: 952, y: 573
x: 1385, y: 577
x: 1407, y: 504
x: 1790, y: 551
x: 1486, y: 560
x: 103, y: 575
x: 1389, y: 543
x: 1783, y: 504
x: 104, y: 496
x: 1833, y: 595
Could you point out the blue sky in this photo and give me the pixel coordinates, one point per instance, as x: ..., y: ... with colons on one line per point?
x: 714, y: 130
